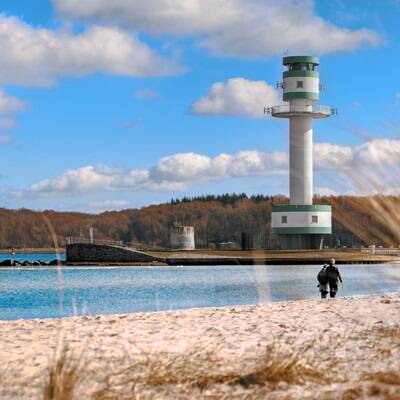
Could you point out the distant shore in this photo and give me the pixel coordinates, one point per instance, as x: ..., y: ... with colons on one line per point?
x: 273, y: 257
x: 341, y: 348
x: 200, y: 257
x: 32, y: 250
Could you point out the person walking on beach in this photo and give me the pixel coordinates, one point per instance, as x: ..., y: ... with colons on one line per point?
x: 328, y: 277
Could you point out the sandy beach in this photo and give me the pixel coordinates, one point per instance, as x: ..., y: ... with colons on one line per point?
x: 345, y: 348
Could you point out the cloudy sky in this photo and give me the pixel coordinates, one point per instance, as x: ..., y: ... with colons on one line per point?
x: 124, y: 103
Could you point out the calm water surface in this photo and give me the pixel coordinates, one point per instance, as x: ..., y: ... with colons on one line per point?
x: 32, y: 256
x: 51, y: 292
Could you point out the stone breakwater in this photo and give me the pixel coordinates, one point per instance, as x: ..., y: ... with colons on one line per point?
x: 345, y: 348
x: 36, y: 263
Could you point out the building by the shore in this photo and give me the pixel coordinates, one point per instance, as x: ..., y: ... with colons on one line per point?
x: 182, y: 237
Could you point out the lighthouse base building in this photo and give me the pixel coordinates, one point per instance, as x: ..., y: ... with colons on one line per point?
x: 301, y: 224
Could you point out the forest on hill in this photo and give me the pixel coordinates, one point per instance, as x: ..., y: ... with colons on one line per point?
x: 217, y: 219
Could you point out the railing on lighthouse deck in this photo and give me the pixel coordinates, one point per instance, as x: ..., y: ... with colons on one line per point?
x: 290, y: 110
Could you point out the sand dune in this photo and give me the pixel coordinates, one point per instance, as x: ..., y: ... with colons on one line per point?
x: 346, y: 348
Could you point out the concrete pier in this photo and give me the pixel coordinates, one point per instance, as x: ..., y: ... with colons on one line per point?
x: 98, y: 254
x: 91, y: 253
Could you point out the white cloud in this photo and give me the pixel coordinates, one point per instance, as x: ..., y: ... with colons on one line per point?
x: 325, y: 191
x: 332, y: 156
x: 10, y: 104
x: 182, y: 167
x: 239, y: 28
x: 370, y: 168
x: 7, y: 123
x: 85, y: 179
x: 177, y: 172
x: 38, y: 57
x: 172, y: 173
x: 147, y: 94
x: 6, y: 139
x: 238, y: 97
x: 175, y: 17
x: 106, y: 205
x: 372, y: 154
x: 378, y: 152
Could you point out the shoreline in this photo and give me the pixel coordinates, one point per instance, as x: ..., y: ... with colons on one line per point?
x: 301, y: 349
x: 208, y: 308
x: 19, y: 264
x: 271, y: 301
x: 208, y: 257
x: 33, y: 250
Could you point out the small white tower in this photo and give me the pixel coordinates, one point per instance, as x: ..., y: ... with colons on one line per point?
x: 182, y: 237
x: 300, y: 224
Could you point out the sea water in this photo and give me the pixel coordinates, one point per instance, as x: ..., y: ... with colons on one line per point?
x: 32, y: 256
x: 50, y: 292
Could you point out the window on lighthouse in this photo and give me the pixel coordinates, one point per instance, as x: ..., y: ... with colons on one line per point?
x: 314, y: 219
x: 301, y: 67
x: 284, y: 219
x: 300, y: 85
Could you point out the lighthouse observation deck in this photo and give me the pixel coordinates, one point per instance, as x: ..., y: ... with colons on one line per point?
x: 297, y: 110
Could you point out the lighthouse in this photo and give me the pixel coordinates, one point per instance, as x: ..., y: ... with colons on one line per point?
x: 301, y: 224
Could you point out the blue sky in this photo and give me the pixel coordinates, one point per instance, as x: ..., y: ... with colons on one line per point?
x: 108, y: 107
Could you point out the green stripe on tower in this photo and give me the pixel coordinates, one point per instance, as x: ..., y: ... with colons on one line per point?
x: 306, y: 74
x: 294, y: 208
x: 300, y: 59
x: 302, y: 230
x: 300, y: 95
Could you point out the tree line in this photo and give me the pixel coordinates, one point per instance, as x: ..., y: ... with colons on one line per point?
x: 216, y: 218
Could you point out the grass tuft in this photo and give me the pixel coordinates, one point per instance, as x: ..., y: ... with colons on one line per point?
x: 62, y: 379
x: 387, y: 377
x: 201, y: 371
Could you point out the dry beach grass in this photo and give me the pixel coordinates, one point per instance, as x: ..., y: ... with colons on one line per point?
x: 347, y: 348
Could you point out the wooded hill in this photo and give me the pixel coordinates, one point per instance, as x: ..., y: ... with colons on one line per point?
x: 357, y: 220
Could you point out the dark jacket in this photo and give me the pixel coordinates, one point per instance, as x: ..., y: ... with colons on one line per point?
x: 333, y: 274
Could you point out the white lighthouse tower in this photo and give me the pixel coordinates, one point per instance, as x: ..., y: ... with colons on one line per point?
x: 300, y: 224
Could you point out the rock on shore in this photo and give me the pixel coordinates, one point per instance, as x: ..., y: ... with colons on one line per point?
x: 345, y: 348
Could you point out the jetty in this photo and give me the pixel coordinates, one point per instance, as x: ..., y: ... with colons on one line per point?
x: 118, y: 254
